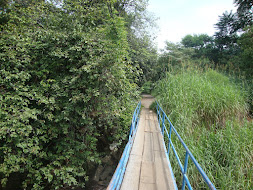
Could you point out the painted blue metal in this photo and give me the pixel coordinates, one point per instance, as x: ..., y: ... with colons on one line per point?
x: 185, y: 170
x: 161, y: 115
x: 177, y: 157
x: 118, y: 175
x: 163, y: 125
x: 168, y: 151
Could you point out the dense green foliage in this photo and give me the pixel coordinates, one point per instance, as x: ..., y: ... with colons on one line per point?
x: 230, y: 47
x: 200, y: 98
x: 206, y: 90
x: 68, y: 85
x: 67, y: 88
x: 209, y: 111
x: 227, y: 45
x: 246, y: 56
x: 142, y: 51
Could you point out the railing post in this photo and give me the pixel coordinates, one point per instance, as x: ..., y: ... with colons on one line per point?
x: 185, y: 169
x: 168, y: 151
x: 130, y: 131
x: 163, y: 125
x: 159, y: 116
x: 132, y: 128
x: 158, y: 113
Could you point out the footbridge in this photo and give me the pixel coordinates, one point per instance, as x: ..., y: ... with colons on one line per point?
x: 145, y: 163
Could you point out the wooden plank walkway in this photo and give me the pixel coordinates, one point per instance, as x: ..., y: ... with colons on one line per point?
x: 147, y: 168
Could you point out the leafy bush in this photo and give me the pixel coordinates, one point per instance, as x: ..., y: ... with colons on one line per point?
x: 65, y: 91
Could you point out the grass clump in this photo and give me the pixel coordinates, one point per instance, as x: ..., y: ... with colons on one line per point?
x: 209, y: 112
x: 195, y: 98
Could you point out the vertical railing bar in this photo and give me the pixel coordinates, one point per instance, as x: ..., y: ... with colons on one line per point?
x: 168, y: 151
x: 131, y: 128
x: 163, y: 123
x: 159, y: 113
x: 185, y: 169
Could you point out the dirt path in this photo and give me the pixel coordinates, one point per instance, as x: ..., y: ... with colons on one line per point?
x: 147, y: 100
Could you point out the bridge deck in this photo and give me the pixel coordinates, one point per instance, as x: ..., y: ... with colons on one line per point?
x: 147, y: 167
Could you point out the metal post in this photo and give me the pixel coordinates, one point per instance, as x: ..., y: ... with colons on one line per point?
x: 130, y: 133
x: 159, y: 116
x: 168, y: 151
x: 163, y: 124
x: 185, y: 169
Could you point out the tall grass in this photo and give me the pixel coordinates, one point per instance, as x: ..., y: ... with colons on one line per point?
x: 209, y: 112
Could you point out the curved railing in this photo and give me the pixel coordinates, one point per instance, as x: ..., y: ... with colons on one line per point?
x: 162, y: 117
x: 121, y: 168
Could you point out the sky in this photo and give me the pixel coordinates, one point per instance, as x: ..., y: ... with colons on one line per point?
x: 177, y: 18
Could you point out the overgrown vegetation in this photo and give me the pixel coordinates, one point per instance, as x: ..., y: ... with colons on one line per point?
x: 201, y: 98
x: 205, y: 88
x: 69, y: 79
x: 67, y: 88
x: 209, y: 111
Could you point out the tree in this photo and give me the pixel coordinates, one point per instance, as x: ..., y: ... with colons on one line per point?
x: 244, y: 14
x: 197, y: 41
x: 243, y: 5
x: 142, y: 52
x: 203, y: 45
x: 173, y: 56
x: 246, y: 43
x: 226, y: 37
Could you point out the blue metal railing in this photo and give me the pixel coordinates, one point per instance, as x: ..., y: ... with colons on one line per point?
x: 162, y: 117
x: 121, y: 168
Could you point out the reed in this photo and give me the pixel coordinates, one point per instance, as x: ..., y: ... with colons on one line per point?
x: 208, y: 108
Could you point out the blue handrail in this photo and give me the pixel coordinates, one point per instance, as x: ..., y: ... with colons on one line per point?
x: 161, y: 120
x: 118, y: 175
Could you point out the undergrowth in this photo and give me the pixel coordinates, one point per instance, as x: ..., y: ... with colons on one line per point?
x: 209, y: 111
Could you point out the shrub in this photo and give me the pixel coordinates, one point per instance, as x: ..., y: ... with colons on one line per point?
x: 65, y: 90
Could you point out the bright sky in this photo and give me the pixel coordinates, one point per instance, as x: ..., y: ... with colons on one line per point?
x: 177, y: 18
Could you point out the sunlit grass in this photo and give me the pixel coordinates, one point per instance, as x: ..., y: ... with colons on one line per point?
x: 209, y: 111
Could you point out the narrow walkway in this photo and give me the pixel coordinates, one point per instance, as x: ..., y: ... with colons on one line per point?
x: 147, y: 168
